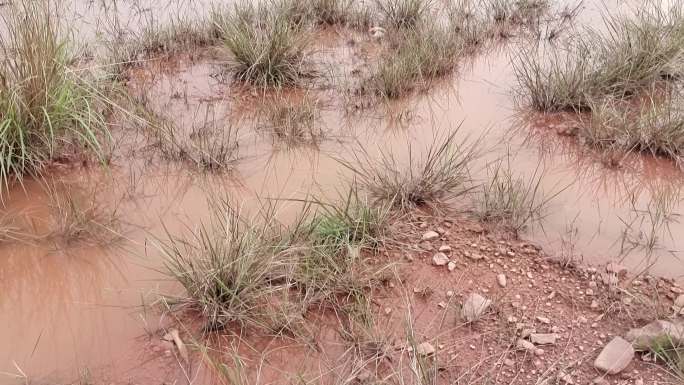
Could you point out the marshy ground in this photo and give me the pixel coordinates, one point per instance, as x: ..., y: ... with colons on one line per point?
x: 311, y: 192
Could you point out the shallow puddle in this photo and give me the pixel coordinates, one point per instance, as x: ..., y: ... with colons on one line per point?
x: 68, y: 307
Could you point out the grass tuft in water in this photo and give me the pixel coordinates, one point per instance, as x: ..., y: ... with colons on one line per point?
x: 229, y: 266
x: 336, y: 270
x: 630, y: 56
x: 46, y: 109
x: 268, y: 47
x: 404, y: 13
x: 422, y: 54
x: 406, y: 182
x: 508, y: 200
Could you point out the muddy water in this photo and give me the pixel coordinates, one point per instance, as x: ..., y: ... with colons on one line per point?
x: 71, y: 307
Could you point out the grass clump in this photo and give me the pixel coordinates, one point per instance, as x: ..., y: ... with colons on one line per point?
x: 671, y: 352
x: 332, y: 11
x: 46, y: 109
x: 508, y: 200
x: 654, y: 126
x: 229, y: 266
x: 421, y: 55
x: 335, y: 270
x: 404, y: 13
x: 629, y: 57
x: 268, y: 46
x: 440, y: 174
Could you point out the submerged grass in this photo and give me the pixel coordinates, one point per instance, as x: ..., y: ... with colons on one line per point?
x: 46, y: 108
x: 269, y: 46
x: 440, y: 174
x: 294, y: 121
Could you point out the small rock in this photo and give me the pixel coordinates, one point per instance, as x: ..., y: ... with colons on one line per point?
x: 589, y: 292
x: 525, y: 345
x: 594, y: 304
x: 440, y: 259
x: 445, y: 249
x: 388, y: 310
x: 543, y: 338
x: 449, y: 294
x: 508, y: 362
x: 525, y: 333
x: 643, y: 338
x: 425, y: 349
x: 565, y: 378
x: 430, y: 235
x: 451, y: 266
x: 501, y: 280
x: 615, y: 356
x: 544, y: 320
x: 474, y: 307
x: 474, y: 256
x: 442, y: 305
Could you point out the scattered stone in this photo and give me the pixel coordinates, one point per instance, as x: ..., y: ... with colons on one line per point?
x: 643, y: 338
x: 508, y: 362
x: 544, y: 320
x: 565, y: 378
x: 425, y: 349
x: 430, y: 235
x: 615, y: 356
x: 449, y: 294
x: 443, y: 305
x: 474, y: 307
x: 445, y: 249
x: 594, y: 304
x: 525, y: 345
x: 388, y: 310
x: 543, y: 338
x: 440, y: 259
x: 501, y: 280
x: 525, y: 333
x: 474, y: 256
x: 589, y: 292
x: 512, y: 319
x: 451, y: 266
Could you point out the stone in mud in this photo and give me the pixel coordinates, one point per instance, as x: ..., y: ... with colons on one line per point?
x: 646, y: 337
x: 474, y: 307
x: 501, y: 280
x: 425, y: 349
x: 615, y: 356
x: 525, y: 345
x: 430, y: 236
x: 543, y: 338
x: 440, y: 259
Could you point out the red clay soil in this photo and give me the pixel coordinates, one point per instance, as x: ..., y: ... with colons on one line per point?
x: 583, y: 306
